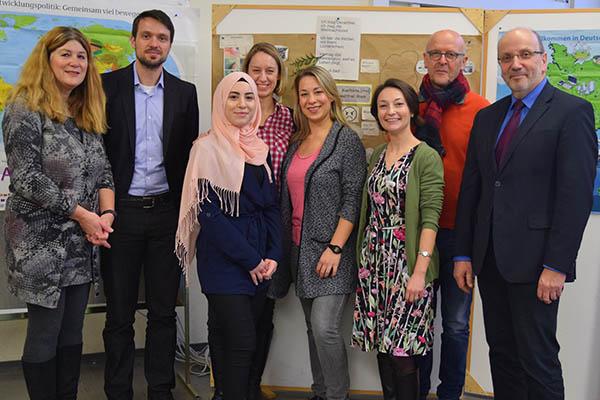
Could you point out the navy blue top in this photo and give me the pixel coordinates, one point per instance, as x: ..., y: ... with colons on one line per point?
x: 228, y: 248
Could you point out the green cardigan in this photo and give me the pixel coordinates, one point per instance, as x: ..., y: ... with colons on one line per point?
x: 423, y: 205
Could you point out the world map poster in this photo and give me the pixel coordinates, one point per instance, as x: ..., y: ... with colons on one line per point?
x: 108, y: 29
x: 574, y: 67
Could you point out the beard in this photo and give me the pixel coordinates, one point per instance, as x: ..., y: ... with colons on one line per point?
x: 151, y: 64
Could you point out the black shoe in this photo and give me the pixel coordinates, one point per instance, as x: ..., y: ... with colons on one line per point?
x: 317, y: 398
x: 218, y: 395
x: 40, y: 379
x: 254, y: 393
x: 68, y: 367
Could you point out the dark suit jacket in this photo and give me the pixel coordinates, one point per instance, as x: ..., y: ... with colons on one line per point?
x: 537, y: 203
x: 180, y: 127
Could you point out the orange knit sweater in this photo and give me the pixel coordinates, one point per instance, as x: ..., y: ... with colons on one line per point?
x: 455, y: 131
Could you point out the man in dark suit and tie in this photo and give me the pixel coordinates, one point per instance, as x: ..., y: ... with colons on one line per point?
x: 525, y: 199
x: 153, y: 120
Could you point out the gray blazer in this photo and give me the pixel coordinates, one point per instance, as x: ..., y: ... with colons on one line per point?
x: 54, y: 167
x: 332, y: 190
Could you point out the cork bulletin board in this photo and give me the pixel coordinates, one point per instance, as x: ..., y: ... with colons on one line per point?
x: 395, y: 37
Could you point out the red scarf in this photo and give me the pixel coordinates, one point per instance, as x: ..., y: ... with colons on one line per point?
x: 438, y: 100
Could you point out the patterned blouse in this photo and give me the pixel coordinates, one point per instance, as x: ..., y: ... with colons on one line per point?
x: 54, y: 167
x: 276, y: 133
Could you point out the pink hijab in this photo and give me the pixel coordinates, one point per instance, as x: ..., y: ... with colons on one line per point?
x: 217, y: 162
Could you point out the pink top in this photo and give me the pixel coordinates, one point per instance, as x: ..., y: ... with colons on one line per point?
x: 295, y: 179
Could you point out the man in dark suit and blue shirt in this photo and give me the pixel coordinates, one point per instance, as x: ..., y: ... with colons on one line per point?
x: 153, y: 120
x: 525, y: 199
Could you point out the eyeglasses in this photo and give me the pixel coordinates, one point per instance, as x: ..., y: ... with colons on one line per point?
x: 436, y: 55
x: 522, y: 55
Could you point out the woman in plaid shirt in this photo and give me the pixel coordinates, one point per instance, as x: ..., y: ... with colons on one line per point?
x: 264, y: 64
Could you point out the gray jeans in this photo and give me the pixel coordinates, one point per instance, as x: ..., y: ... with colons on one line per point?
x: 328, y: 360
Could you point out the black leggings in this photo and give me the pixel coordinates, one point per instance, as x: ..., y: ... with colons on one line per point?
x: 231, y: 326
x: 49, y: 328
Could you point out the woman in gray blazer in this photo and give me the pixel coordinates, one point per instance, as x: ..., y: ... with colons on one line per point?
x: 321, y: 183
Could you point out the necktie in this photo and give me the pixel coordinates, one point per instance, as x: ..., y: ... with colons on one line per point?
x: 509, y: 131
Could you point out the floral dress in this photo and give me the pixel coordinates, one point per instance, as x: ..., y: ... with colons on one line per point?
x: 383, y: 319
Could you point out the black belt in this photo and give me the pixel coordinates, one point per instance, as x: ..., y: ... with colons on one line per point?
x: 145, y: 201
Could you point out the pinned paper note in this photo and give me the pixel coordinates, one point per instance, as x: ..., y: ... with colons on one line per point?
x: 369, y: 66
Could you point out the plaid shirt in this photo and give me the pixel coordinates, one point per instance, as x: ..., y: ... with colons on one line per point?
x: 276, y: 133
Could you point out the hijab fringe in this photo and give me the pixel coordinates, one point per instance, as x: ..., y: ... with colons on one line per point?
x: 229, y: 203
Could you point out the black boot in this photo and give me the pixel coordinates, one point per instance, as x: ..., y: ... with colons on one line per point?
x: 386, y: 374
x: 259, y: 361
x: 40, y: 379
x: 68, y: 365
x: 407, y: 386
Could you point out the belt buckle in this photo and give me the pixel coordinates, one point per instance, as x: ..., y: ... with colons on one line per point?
x: 151, y: 205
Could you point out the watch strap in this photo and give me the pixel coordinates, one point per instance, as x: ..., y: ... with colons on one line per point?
x: 109, y: 211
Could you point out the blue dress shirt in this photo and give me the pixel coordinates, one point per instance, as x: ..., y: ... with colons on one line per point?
x: 149, y: 174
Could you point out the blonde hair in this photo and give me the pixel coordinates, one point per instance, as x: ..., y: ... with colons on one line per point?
x: 269, y: 49
x: 38, y: 88
x: 327, y: 82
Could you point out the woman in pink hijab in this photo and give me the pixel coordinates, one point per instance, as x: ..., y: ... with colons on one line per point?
x: 229, y: 218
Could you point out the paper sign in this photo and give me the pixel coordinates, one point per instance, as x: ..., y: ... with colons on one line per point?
x: 366, y: 114
x: 338, y: 41
x: 283, y: 51
x: 355, y: 94
x: 421, y: 68
x: 242, y: 42
x: 369, y: 128
x: 469, y: 68
x: 369, y: 66
x: 351, y: 113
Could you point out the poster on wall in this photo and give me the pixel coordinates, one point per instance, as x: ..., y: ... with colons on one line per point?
x: 107, y: 25
x: 574, y: 67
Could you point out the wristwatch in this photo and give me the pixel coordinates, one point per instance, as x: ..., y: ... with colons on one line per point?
x: 424, y: 253
x: 113, y: 212
x: 335, y: 248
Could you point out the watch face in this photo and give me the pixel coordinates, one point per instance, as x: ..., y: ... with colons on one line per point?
x: 335, y: 249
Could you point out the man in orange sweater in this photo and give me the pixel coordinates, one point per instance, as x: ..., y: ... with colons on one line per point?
x: 448, y: 107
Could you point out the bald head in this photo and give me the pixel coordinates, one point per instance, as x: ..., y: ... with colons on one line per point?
x: 524, y: 62
x: 442, y: 72
x: 446, y: 36
x: 523, y: 33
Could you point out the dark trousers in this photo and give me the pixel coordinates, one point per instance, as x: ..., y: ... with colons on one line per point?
x: 143, y: 238
x: 521, y: 334
x: 50, y: 328
x: 456, y: 312
x: 232, y: 329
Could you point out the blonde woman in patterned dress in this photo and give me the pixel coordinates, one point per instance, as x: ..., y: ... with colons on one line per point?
x: 401, y: 205
x: 60, y: 206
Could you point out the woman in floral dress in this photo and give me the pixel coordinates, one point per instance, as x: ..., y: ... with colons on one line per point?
x: 402, y: 201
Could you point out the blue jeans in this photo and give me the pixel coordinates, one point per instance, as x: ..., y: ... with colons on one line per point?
x: 456, y: 310
x: 327, y: 350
